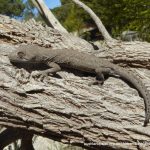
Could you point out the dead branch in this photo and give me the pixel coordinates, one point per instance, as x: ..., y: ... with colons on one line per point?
x: 96, y: 19
x: 50, y: 18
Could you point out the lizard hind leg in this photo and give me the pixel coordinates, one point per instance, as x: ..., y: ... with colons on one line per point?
x: 99, y: 78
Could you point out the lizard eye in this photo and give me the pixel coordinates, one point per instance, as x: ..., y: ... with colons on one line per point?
x: 21, y: 55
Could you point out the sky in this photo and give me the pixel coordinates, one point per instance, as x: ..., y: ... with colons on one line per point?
x: 52, y: 3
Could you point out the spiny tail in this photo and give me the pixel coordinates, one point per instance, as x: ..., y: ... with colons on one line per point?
x: 137, y: 83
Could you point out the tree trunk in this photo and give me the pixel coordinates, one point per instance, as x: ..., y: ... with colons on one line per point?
x: 67, y: 109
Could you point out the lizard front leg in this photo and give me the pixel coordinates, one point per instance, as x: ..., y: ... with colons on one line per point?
x: 54, y: 68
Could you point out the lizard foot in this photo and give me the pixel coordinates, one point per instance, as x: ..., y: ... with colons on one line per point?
x: 99, y: 83
x: 39, y: 74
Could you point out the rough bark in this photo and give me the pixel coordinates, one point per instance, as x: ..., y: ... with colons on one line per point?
x: 67, y: 109
x: 133, y: 54
x: 96, y: 19
x: 48, y: 15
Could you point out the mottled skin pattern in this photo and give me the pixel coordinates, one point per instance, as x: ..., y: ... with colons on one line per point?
x: 65, y: 58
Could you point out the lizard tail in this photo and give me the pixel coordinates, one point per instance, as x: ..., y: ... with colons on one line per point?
x: 129, y: 77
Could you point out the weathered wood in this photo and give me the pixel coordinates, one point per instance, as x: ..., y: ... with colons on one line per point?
x: 133, y: 54
x: 67, y: 109
x: 70, y: 111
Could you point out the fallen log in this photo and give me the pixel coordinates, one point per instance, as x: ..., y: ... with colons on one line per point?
x: 67, y: 109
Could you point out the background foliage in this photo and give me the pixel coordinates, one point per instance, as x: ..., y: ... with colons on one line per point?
x: 11, y: 7
x: 117, y: 15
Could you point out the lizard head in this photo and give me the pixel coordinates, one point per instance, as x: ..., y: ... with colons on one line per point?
x: 23, y: 55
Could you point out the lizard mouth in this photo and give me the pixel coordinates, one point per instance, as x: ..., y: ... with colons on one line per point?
x: 23, y: 61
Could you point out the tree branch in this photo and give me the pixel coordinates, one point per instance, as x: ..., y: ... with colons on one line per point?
x: 50, y: 18
x: 96, y: 19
